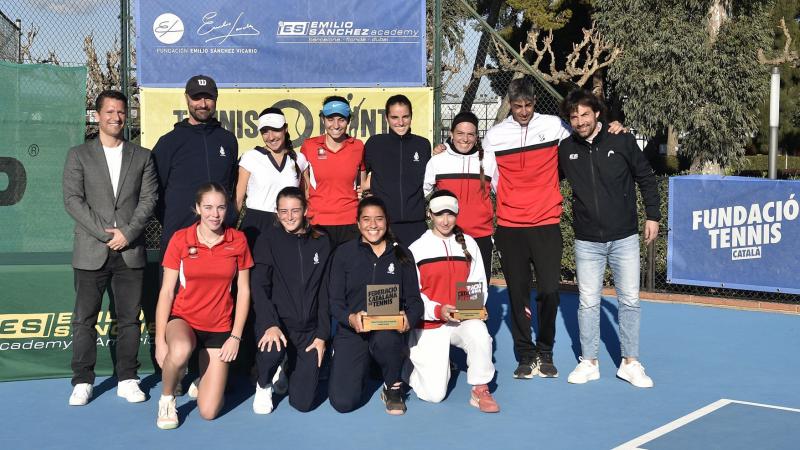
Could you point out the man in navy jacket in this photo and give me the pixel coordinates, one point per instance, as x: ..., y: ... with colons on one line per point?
x: 198, y: 150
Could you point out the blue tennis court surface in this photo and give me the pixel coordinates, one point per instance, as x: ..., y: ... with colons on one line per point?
x: 727, y: 424
x: 696, y: 356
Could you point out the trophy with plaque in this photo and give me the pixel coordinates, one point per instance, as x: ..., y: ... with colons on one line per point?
x: 469, y: 301
x: 383, y: 308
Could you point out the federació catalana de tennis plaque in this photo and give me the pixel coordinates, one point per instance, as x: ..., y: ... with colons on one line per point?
x: 383, y: 308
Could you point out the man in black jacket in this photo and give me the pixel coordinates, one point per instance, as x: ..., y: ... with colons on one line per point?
x: 396, y: 165
x: 602, y: 168
x: 198, y: 150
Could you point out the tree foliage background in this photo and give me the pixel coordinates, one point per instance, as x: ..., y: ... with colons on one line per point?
x: 677, y: 71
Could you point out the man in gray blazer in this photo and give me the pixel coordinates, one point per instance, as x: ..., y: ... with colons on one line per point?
x: 110, y: 190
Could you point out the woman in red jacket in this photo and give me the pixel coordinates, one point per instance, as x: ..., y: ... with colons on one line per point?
x: 205, y: 257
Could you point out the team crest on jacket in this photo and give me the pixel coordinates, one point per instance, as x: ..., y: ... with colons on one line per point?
x: 316, y: 258
x: 221, y: 151
x: 416, y: 157
x: 390, y: 270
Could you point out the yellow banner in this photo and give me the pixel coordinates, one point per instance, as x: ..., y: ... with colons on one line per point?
x: 238, y: 109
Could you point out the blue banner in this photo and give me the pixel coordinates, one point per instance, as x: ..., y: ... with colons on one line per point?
x: 734, y: 232
x: 282, y: 43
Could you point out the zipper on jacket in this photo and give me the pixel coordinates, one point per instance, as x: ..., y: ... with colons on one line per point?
x: 592, y: 156
x: 208, y: 165
x: 374, y: 265
x: 402, y: 199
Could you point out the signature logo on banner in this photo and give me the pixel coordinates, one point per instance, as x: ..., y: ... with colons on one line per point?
x: 218, y: 30
x: 168, y: 28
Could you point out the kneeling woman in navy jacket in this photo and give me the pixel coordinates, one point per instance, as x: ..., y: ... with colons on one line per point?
x: 290, y: 302
x: 374, y: 258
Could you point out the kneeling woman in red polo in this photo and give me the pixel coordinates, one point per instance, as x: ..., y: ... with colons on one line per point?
x: 205, y: 257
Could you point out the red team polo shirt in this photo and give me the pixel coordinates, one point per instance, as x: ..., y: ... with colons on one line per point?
x: 204, y: 298
x: 332, y: 198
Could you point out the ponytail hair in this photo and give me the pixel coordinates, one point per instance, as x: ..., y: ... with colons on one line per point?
x: 460, y: 239
x: 293, y: 154
x: 480, y: 162
x: 399, y: 254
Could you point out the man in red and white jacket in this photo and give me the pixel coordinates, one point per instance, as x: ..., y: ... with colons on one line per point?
x: 525, y: 146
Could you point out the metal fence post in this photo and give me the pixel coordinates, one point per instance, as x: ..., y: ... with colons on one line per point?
x: 650, y: 279
x: 437, y: 72
x: 124, y: 66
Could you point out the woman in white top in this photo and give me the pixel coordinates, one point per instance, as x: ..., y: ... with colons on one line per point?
x: 264, y: 171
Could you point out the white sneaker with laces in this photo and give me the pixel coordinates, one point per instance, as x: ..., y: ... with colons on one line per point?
x: 193, y: 388
x: 129, y: 390
x: 262, y: 401
x: 167, y: 413
x: 585, y: 371
x: 634, y: 374
x: 81, y: 394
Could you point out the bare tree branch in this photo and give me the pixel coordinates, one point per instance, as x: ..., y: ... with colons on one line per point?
x: 788, y: 56
x: 588, y: 56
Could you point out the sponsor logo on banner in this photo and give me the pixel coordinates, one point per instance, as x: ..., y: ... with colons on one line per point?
x: 745, y: 229
x: 215, y: 31
x: 48, y: 331
x: 168, y: 28
x: 346, y: 31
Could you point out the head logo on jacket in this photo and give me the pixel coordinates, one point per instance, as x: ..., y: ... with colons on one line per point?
x: 316, y: 258
x: 390, y: 270
x: 221, y: 151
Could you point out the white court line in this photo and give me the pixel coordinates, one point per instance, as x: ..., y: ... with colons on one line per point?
x: 636, y: 443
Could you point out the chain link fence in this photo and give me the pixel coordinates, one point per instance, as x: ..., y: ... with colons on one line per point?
x: 74, y: 33
x: 9, y: 39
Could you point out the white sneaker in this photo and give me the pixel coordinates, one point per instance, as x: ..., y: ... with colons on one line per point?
x: 193, y: 388
x: 262, y: 401
x: 129, y: 390
x: 167, y: 413
x: 585, y: 371
x: 280, y: 383
x: 634, y: 374
x: 81, y: 394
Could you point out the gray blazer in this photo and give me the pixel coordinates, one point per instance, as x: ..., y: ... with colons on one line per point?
x: 89, y: 199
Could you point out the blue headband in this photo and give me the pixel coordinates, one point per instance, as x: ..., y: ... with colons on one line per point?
x: 336, y: 107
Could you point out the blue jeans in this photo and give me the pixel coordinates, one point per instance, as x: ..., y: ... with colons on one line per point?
x: 623, y: 258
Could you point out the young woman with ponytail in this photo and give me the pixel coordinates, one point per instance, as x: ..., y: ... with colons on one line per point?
x: 373, y: 258
x: 463, y: 169
x: 446, y: 256
x: 264, y: 171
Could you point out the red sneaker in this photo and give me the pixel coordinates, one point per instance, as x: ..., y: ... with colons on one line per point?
x: 482, y: 399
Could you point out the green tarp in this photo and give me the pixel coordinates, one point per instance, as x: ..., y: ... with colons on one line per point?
x: 42, y: 115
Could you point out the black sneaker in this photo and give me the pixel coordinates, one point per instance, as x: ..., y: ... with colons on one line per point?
x: 527, y: 368
x: 393, y: 399
x: 546, y: 367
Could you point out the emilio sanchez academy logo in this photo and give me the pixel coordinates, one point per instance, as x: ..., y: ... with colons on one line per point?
x: 345, y: 31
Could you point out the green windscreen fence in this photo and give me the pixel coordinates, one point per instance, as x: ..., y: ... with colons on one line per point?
x: 42, y: 115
